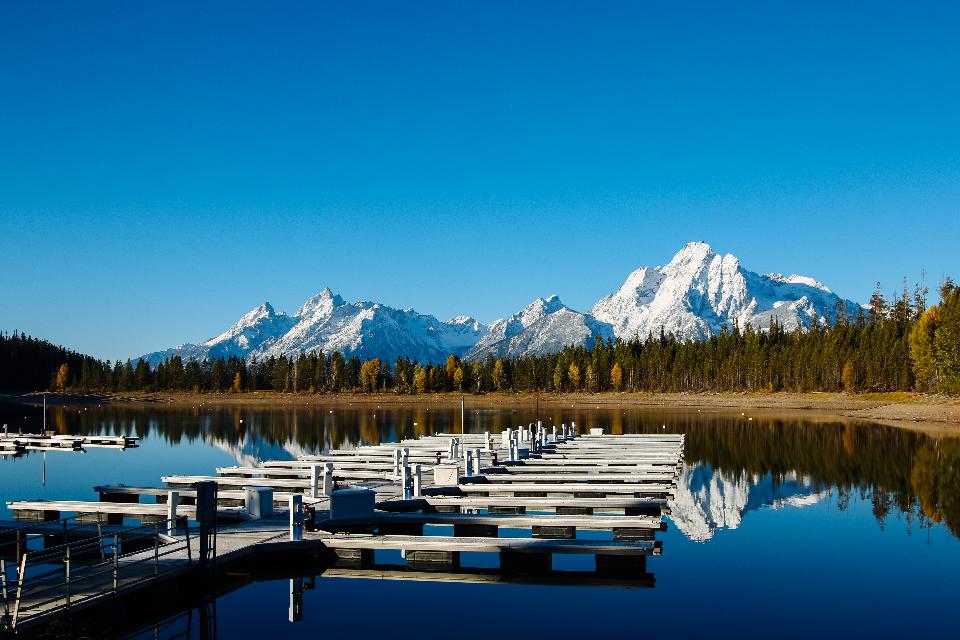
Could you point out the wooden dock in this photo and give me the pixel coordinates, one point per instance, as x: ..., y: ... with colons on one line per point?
x: 343, y: 506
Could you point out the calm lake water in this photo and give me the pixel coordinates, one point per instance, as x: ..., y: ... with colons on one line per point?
x: 781, y: 526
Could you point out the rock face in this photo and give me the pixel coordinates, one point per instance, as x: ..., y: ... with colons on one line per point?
x: 696, y: 295
x: 699, y: 292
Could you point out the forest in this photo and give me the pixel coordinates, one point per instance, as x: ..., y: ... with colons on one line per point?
x: 901, y: 345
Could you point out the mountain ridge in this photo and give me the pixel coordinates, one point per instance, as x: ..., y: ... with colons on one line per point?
x: 695, y: 295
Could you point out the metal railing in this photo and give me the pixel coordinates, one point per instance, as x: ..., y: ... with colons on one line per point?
x: 65, y: 575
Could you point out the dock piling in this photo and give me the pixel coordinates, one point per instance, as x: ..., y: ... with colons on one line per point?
x: 173, y: 501
x: 296, y: 517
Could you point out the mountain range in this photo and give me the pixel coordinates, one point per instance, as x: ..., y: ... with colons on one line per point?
x: 696, y: 295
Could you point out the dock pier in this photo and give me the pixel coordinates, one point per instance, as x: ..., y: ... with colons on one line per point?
x: 523, y: 496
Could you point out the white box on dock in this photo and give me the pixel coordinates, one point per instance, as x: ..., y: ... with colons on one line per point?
x: 446, y: 475
x: 258, y: 501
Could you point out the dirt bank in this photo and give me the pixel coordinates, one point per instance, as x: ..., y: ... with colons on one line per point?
x: 939, y: 414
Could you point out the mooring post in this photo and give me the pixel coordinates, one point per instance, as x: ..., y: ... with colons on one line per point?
x: 405, y: 482
x: 554, y: 433
x: 468, y: 462
x: 573, y: 427
x: 488, y: 443
x: 476, y: 462
x: 417, y: 481
x: 173, y: 500
x: 507, y: 436
x: 404, y: 457
x: 327, y: 478
x: 296, y: 517
x: 207, y: 518
x: 315, y: 481
x: 450, y: 450
x: 66, y: 577
x: 396, y: 462
x: 563, y: 432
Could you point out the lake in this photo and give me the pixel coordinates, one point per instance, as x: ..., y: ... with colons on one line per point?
x: 784, y: 525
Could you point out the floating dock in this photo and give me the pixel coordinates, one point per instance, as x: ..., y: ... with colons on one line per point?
x: 523, y: 496
x: 19, y: 443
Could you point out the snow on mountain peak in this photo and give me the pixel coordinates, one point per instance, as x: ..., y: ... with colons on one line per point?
x: 322, y: 304
x: 699, y: 292
x: 692, y: 253
x: 798, y: 279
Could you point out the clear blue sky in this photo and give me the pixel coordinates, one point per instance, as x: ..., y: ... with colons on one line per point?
x: 164, y: 167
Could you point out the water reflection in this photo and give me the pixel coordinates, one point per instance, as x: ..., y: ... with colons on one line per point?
x: 735, y: 463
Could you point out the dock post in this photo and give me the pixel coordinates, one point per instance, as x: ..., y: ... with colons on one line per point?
x: 173, y: 500
x: 404, y: 457
x: 563, y: 432
x: 315, y: 481
x: 573, y: 428
x: 554, y: 433
x: 468, y: 462
x: 417, y: 481
x: 396, y: 462
x: 405, y: 482
x: 207, y: 517
x: 327, y: 478
x: 296, y: 517
x: 488, y: 443
x: 476, y: 462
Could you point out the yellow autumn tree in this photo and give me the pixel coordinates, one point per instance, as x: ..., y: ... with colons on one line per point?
x: 63, y: 373
x: 369, y: 373
x: 420, y: 379
x: 848, y: 377
x: 458, y: 378
x: 573, y: 374
x: 237, y: 382
x: 616, y: 376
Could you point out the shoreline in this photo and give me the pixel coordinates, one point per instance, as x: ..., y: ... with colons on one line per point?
x: 929, y: 413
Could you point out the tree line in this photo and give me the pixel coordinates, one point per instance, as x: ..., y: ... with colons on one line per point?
x: 900, y: 345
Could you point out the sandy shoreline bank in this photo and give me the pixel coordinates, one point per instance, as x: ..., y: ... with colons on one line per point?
x: 937, y: 414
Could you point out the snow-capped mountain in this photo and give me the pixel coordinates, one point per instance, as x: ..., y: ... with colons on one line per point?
x: 700, y: 292
x: 696, y: 295
x: 545, y: 325
x: 707, y: 500
x: 325, y: 322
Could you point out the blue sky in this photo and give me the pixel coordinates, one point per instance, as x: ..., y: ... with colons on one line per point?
x: 165, y: 168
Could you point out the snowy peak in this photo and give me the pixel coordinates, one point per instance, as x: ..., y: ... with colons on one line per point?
x: 258, y: 327
x: 692, y: 258
x: 540, y: 308
x: 699, y: 293
x: 320, y: 305
x: 545, y: 325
